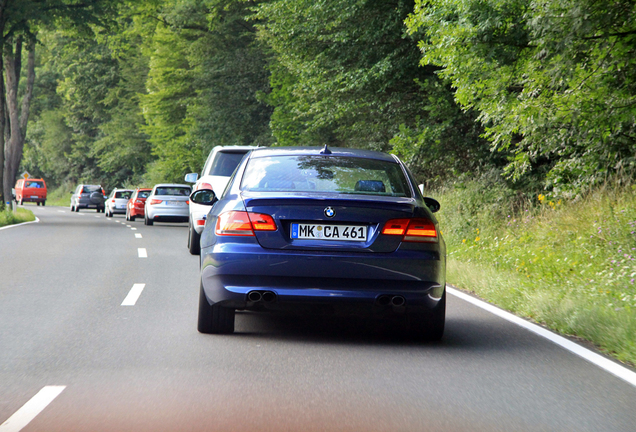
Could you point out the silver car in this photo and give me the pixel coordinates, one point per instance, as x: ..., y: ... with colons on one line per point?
x: 167, y: 203
x: 117, y: 201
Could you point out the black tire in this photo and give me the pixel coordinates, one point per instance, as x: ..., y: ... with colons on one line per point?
x: 147, y: 221
x: 43, y: 203
x: 77, y: 208
x: 214, y: 319
x: 194, y: 238
x: 38, y: 203
x: 428, y: 325
x: 21, y: 201
x: 72, y: 207
x: 131, y: 218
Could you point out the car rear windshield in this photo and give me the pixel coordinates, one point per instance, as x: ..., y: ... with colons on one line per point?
x: 349, y: 175
x: 34, y: 184
x: 123, y: 194
x: 173, y: 190
x: 143, y: 194
x: 225, y: 163
x: 91, y: 188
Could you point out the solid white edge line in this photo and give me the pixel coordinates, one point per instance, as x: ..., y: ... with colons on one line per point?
x: 137, y: 235
x: 592, y: 357
x: 20, y: 224
x: 31, y: 409
x: 142, y: 253
x: 133, y: 295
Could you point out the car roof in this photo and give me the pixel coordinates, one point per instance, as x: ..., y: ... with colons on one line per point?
x: 232, y: 148
x: 172, y: 185
x: 315, y: 151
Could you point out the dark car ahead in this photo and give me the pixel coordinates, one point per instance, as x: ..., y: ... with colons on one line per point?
x: 309, y: 229
x: 88, y: 196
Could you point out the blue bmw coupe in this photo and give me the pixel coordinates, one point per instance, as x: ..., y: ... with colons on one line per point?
x: 309, y: 229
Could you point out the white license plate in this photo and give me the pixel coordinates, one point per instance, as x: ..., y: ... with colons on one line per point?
x: 175, y: 203
x: 34, y: 196
x: 328, y: 232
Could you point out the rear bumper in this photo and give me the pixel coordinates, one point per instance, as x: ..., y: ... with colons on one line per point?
x: 177, y: 214
x: 338, y: 280
x: 31, y: 199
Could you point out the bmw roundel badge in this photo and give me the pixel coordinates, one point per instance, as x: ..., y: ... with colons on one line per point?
x: 330, y: 212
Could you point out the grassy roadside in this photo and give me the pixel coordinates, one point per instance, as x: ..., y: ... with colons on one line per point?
x: 60, y: 196
x: 7, y: 217
x: 568, y: 265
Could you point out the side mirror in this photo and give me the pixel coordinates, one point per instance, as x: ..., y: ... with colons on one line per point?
x: 432, y: 204
x: 204, y: 197
x: 191, y: 177
x: 72, y: 192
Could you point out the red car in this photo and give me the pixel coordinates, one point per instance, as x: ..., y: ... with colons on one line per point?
x: 136, y: 203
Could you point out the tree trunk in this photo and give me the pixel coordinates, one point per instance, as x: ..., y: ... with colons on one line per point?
x: 11, y: 60
x: 17, y: 119
x: 3, y: 195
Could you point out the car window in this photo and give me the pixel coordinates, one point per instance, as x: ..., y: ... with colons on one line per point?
x: 225, y: 163
x: 143, y: 194
x: 123, y: 194
x: 91, y: 189
x: 173, y: 190
x: 34, y: 184
x: 325, y: 174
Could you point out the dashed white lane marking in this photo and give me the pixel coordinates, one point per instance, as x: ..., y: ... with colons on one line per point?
x: 80, y: 214
x: 142, y: 252
x: 17, y: 225
x: 134, y: 229
x: 137, y: 235
x: 128, y: 226
x: 96, y: 216
x: 133, y: 295
x: 61, y: 211
x: 600, y: 361
x: 31, y: 409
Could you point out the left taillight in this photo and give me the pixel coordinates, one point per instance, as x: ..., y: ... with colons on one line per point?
x: 240, y: 223
x: 155, y: 201
x: 412, y: 230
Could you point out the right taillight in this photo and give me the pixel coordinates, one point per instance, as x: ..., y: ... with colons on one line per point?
x: 412, y: 230
x: 234, y: 223
x: 241, y: 223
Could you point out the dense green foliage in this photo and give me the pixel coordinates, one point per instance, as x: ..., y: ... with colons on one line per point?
x: 553, y: 81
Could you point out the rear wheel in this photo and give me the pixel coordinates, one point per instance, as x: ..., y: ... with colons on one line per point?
x: 38, y: 203
x: 43, y: 203
x: 194, y: 238
x: 131, y: 217
x: 430, y: 325
x: 77, y: 208
x: 148, y: 221
x: 213, y: 318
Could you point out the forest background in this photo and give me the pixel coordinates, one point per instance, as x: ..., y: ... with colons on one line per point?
x: 506, y: 110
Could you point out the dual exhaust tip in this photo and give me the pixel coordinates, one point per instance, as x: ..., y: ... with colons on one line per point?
x: 265, y: 296
x: 389, y: 300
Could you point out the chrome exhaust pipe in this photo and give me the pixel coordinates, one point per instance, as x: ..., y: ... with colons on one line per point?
x: 269, y: 296
x: 398, y: 301
x: 254, y: 296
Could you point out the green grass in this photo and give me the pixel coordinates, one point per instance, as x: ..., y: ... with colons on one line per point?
x: 7, y: 217
x: 60, y: 196
x: 568, y: 265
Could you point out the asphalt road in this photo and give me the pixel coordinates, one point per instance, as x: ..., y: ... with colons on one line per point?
x: 144, y: 367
